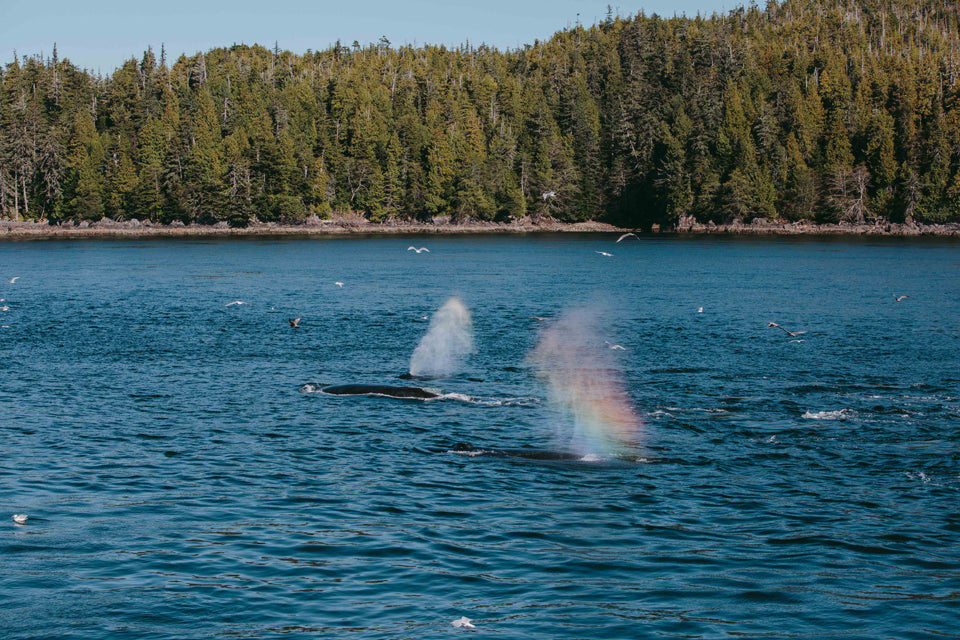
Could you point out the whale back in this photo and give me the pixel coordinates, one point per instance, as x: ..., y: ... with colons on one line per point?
x: 379, y: 390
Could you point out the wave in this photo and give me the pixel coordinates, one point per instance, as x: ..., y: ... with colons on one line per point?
x: 842, y: 414
x: 491, y: 402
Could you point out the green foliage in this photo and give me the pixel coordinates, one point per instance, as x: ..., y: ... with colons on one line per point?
x: 805, y: 109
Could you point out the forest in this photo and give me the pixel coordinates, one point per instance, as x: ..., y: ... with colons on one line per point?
x: 820, y: 110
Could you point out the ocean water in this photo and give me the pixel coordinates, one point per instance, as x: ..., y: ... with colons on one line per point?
x: 184, y: 475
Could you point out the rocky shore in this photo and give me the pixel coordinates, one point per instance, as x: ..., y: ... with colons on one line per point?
x: 806, y: 227
x: 354, y: 224
x: 344, y: 225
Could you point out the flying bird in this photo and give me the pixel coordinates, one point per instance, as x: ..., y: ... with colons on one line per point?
x: 464, y: 621
x: 13, y: 279
x: 4, y: 308
x: 627, y: 234
x: 20, y: 518
x: 418, y: 250
x: 295, y: 322
x: 615, y: 347
x: 604, y: 253
x: 792, y: 334
x: 699, y: 309
x: 899, y: 298
x: 548, y: 194
x: 339, y: 284
x: 230, y: 304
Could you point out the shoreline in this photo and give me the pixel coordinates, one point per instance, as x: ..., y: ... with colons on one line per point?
x: 356, y: 225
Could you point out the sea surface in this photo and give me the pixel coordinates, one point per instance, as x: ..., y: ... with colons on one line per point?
x: 185, y: 476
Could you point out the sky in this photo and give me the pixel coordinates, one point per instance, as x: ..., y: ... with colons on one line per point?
x: 100, y: 35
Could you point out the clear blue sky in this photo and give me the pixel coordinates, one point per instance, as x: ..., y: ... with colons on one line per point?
x: 100, y: 35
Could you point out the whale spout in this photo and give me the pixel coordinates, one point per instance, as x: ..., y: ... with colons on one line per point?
x: 379, y: 390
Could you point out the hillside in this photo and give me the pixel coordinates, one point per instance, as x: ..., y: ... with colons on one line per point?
x: 832, y: 111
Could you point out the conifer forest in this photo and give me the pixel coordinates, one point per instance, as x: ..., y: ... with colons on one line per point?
x: 822, y: 110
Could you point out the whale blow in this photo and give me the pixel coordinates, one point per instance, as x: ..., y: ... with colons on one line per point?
x: 447, y: 343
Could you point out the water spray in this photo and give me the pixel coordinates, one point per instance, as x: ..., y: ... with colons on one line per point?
x: 447, y: 343
x: 584, y: 386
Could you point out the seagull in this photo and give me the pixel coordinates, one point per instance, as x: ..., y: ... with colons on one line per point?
x: 230, y: 304
x: 548, y: 194
x: 295, y: 322
x: 540, y: 318
x: 700, y: 310
x: 20, y: 518
x: 627, y: 234
x: 464, y: 621
x: 13, y: 279
x: 339, y: 284
x: 421, y: 249
x: 4, y: 308
x: 792, y: 334
x: 604, y: 253
x: 899, y: 298
x: 616, y: 347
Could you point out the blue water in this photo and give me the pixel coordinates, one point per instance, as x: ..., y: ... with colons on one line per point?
x: 184, y: 479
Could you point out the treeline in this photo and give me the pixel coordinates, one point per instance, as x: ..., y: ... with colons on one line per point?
x: 804, y: 109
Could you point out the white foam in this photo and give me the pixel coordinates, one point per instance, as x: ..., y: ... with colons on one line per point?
x: 491, y: 402
x: 462, y: 397
x: 842, y: 414
x: 592, y: 457
x: 659, y: 413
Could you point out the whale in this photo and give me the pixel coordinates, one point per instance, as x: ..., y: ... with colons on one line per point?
x: 543, y: 455
x: 379, y: 390
x: 467, y: 449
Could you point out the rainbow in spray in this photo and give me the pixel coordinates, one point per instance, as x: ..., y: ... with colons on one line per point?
x: 585, y: 387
